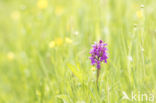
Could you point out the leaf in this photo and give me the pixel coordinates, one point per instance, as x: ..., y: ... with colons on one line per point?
x: 75, y: 71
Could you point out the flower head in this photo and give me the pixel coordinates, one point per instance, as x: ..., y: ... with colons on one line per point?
x: 59, y: 10
x: 11, y: 56
x: 139, y: 14
x: 15, y: 15
x: 130, y: 58
x: 68, y: 40
x: 42, y: 4
x: 52, y: 44
x: 59, y: 41
x: 98, y: 54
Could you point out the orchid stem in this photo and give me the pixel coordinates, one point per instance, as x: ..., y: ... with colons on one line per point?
x: 97, y: 77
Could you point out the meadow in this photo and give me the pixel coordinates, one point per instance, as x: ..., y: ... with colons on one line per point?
x: 45, y: 44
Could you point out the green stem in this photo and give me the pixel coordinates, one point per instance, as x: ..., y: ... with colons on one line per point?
x: 97, y: 77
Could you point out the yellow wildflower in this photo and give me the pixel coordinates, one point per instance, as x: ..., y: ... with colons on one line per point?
x: 93, y: 69
x: 10, y: 55
x: 59, y: 10
x: 15, y: 15
x: 59, y: 41
x: 51, y: 44
x: 68, y: 40
x: 38, y: 93
x: 42, y: 4
x: 139, y: 14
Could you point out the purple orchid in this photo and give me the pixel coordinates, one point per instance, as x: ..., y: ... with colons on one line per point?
x: 98, y: 54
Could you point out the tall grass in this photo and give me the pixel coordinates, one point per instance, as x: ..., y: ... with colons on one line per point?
x: 44, y: 50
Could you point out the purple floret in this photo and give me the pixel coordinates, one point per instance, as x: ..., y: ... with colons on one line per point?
x: 98, y: 54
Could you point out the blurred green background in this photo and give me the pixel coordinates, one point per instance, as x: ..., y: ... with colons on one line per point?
x: 44, y: 50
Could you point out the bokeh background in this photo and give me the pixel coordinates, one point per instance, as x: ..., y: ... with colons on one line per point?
x: 44, y: 50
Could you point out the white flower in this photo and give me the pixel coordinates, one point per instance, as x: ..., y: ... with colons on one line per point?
x: 76, y: 33
x: 142, y: 49
x: 142, y: 6
x: 130, y: 58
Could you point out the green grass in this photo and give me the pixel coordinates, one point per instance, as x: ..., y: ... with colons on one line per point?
x: 32, y: 72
